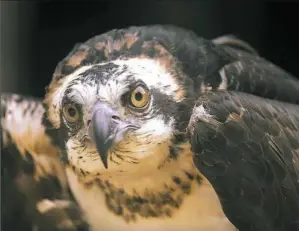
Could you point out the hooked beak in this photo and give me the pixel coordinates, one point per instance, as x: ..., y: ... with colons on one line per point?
x: 107, y: 128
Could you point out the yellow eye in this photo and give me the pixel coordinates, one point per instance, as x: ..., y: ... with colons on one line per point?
x: 139, y: 97
x: 71, y: 113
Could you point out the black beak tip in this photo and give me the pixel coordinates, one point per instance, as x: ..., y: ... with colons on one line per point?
x: 105, y: 163
x: 103, y: 153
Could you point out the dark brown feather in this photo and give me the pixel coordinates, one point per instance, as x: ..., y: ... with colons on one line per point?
x: 247, y: 147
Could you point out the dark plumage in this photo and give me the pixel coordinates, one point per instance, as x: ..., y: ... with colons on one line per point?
x: 249, y: 152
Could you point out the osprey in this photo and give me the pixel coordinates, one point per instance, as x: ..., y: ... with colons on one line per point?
x: 160, y: 129
x: 35, y: 193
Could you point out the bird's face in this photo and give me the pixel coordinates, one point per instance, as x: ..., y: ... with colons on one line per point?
x: 119, y: 114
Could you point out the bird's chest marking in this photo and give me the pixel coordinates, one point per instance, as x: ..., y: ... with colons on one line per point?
x: 162, y: 202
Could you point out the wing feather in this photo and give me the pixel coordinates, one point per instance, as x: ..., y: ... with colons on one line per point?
x: 255, y: 75
x: 230, y: 40
x: 247, y: 147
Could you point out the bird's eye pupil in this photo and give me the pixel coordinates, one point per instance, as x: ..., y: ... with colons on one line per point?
x: 138, y: 96
x: 72, y: 112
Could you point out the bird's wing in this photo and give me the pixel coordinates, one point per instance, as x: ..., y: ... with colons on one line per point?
x: 253, y: 74
x: 34, y: 185
x: 248, y: 148
x: 234, y: 42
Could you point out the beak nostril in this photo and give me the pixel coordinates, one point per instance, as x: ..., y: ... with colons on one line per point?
x: 115, y: 117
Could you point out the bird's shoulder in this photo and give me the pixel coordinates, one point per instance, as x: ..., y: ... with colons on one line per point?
x: 247, y: 147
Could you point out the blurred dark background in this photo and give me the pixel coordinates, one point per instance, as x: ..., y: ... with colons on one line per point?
x: 36, y: 35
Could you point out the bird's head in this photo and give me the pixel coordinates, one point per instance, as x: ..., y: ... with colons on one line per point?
x: 119, y: 114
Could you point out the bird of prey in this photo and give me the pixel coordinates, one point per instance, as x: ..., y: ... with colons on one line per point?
x: 35, y: 194
x: 161, y: 129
